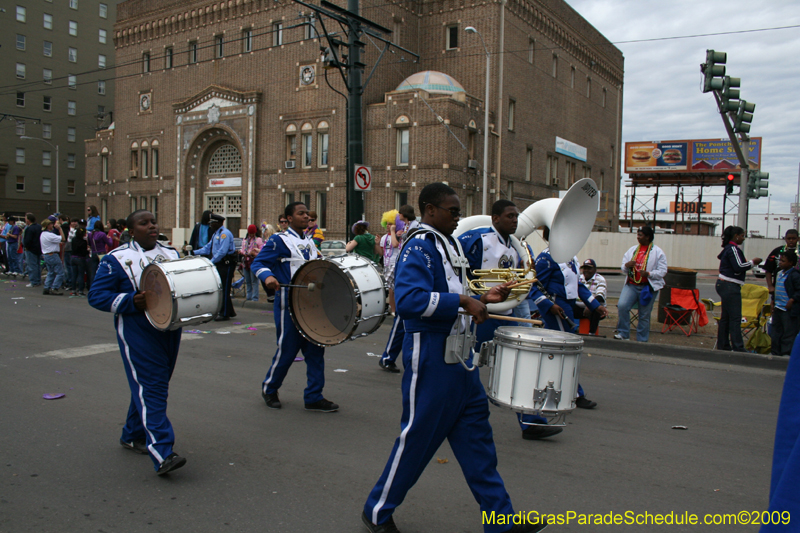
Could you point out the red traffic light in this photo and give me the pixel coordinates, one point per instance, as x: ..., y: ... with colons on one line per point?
x: 730, y: 178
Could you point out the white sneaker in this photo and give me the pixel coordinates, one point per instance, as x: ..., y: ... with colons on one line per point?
x: 619, y: 337
x: 29, y: 285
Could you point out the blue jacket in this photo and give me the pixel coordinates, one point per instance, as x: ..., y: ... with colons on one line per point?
x: 550, y: 276
x: 220, y: 246
x: 792, y: 285
x: 732, y: 264
x: 424, y: 300
x: 272, y: 260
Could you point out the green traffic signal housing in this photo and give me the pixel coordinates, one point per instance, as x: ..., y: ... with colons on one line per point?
x: 729, y: 96
x: 713, y: 67
x: 761, y: 183
x: 744, y: 116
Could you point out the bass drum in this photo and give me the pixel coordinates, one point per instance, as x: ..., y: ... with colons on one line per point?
x: 182, y: 292
x: 348, y: 299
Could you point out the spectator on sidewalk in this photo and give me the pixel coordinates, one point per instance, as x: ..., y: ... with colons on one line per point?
x: 92, y: 217
x: 732, y: 269
x: 312, y: 231
x: 785, y: 310
x: 597, y: 286
x: 69, y: 270
x: 251, y: 245
x: 124, y: 232
x: 51, y: 249
x: 644, y: 266
x: 364, y: 242
x: 33, y: 251
x: 113, y: 234
x: 13, y: 248
x: 98, y: 247
x: 202, y: 232
x: 771, y: 262
x: 4, y: 227
x: 80, y: 261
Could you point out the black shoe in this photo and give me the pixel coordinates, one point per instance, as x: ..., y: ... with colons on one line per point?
x: 527, y: 528
x: 46, y: 291
x: 56, y: 292
x: 173, y: 462
x: 138, y: 446
x: 386, y: 527
x: 323, y: 406
x: 271, y: 400
x: 221, y: 318
x: 389, y: 367
x: 585, y: 403
x: 540, y: 432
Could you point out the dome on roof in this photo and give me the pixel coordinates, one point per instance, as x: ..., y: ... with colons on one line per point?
x: 431, y: 81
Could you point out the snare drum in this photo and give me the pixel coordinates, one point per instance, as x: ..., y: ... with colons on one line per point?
x: 183, y: 292
x: 349, y: 299
x: 532, y: 370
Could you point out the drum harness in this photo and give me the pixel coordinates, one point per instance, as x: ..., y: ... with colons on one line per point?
x: 552, y: 298
x: 459, y: 345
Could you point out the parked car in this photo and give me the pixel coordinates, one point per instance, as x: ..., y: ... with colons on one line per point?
x: 759, y: 272
x: 332, y: 248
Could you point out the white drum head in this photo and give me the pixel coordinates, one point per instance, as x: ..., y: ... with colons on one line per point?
x: 159, y: 303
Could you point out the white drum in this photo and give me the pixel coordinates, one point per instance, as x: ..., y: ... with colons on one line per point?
x: 533, y: 370
x: 348, y: 300
x: 182, y: 292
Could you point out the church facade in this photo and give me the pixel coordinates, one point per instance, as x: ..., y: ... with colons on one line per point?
x: 226, y: 106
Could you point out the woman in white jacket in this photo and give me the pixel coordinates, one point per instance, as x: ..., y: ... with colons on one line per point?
x: 644, y: 266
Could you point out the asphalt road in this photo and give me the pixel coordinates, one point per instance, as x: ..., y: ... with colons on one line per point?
x: 254, y: 469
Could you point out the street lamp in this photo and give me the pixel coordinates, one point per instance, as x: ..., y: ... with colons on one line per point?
x: 471, y: 29
x: 58, y: 210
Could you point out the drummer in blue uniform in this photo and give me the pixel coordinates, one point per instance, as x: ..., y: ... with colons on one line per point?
x: 491, y: 248
x: 149, y: 355
x: 559, y: 287
x: 223, y: 255
x: 440, y: 400
x: 275, y: 265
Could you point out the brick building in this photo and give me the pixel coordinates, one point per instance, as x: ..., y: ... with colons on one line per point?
x: 225, y: 105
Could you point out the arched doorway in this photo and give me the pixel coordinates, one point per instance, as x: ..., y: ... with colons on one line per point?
x: 221, y: 172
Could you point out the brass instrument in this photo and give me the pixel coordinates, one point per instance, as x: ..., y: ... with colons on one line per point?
x: 485, y: 279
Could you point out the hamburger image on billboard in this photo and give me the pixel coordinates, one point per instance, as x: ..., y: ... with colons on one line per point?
x: 640, y: 154
x: 672, y: 156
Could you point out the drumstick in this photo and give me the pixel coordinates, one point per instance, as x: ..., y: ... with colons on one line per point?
x: 510, y: 318
x: 133, y: 276
x: 311, y: 286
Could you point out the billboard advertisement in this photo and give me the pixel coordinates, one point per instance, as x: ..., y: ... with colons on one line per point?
x: 690, y: 156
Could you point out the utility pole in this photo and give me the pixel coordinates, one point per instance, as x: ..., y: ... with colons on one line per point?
x: 351, y: 69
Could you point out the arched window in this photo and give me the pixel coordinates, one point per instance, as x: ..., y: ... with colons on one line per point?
x: 225, y: 160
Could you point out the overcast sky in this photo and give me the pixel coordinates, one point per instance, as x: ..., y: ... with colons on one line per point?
x: 663, y: 98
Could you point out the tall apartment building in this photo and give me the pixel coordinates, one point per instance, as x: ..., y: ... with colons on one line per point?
x: 57, y: 66
x: 226, y: 106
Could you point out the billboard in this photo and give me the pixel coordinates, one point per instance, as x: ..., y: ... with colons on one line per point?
x: 690, y: 207
x: 714, y: 156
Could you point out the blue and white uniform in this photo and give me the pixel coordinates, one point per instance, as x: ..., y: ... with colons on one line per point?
x: 440, y: 401
x: 280, y: 257
x: 222, y: 251
x: 148, y: 354
x: 486, y: 249
x: 395, y: 343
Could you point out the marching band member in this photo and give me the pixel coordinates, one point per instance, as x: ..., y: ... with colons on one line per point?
x: 223, y: 254
x: 395, y: 343
x: 148, y: 354
x: 275, y: 265
x: 557, y: 290
x: 490, y: 248
x: 440, y: 400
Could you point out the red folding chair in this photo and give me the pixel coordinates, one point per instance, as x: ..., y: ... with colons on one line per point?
x: 683, y: 311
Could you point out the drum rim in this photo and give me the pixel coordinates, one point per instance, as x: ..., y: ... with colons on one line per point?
x: 214, y: 271
x: 529, y: 335
x: 359, y: 302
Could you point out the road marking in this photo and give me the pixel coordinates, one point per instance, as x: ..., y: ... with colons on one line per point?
x: 94, y: 349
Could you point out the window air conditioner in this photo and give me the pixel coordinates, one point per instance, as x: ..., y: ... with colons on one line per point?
x: 289, y: 164
x: 472, y: 163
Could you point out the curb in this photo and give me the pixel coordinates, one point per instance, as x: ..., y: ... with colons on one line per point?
x: 696, y: 354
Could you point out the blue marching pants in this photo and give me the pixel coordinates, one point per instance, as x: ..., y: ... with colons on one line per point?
x: 440, y: 401
x: 289, y: 343
x: 149, y: 360
x: 395, y: 343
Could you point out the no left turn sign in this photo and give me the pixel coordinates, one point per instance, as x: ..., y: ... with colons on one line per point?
x: 363, y: 178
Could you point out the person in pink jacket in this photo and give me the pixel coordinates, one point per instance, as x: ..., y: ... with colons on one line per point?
x: 251, y: 245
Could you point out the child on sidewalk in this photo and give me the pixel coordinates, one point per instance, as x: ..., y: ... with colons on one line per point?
x: 785, y: 314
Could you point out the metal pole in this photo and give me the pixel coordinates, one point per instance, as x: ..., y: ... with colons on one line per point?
x: 796, y: 200
x: 769, y: 200
x: 58, y: 209
x: 355, y: 139
x: 743, y: 200
x: 486, y: 133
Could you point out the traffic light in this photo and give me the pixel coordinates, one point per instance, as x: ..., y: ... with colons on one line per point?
x: 729, y: 96
x: 760, y: 181
x: 713, y: 67
x: 730, y: 180
x: 744, y: 116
